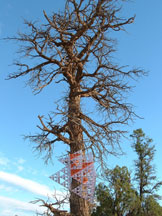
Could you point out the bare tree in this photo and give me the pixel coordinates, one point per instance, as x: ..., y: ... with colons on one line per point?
x: 74, y: 48
x: 52, y: 209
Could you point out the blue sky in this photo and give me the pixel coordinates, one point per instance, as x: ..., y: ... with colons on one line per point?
x: 22, y: 174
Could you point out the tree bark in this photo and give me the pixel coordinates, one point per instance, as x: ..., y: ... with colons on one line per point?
x: 78, y: 205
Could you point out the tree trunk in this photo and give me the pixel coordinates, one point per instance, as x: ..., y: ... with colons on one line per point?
x: 78, y: 205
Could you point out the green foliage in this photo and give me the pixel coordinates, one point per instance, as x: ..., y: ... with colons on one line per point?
x: 152, y: 207
x: 106, y: 202
x: 121, y: 189
x: 145, y: 174
x: 117, y: 196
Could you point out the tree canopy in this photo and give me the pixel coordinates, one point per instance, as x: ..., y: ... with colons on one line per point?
x: 75, y: 47
x: 145, y: 174
x: 116, y: 196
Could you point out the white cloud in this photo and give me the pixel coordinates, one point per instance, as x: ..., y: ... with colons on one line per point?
x: 26, y: 184
x: 12, y: 206
x: 4, y: 161
x: 21, y: 161
x: 20, y: 168
x: 5, y: 188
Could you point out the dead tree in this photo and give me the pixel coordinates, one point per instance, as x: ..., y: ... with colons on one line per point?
x: 51, y: 210
x: 74, y: 48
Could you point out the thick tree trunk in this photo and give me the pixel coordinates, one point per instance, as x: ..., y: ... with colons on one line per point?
x: 78, y: 205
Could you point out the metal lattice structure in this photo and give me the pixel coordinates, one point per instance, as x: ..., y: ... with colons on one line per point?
x: 80, y: 167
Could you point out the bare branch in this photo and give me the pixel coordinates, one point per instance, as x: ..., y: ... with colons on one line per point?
x: 76, y: 46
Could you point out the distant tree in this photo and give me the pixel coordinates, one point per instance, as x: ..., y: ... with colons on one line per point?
x: 152, y: 207
x: 105, y: 201
x: 74, y: 49
x: 118, y: 197
x: 121, y: 189
x: 145, y: 174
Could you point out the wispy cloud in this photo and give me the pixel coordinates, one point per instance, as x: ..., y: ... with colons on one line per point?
x: 7, y: 163
x: 19, y: 164
x: 20, y: 168
x: 26, y: 184
x: 21, y: 161
x: 11, y: 206
x: 3, y: 160
x: 6, y: 188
